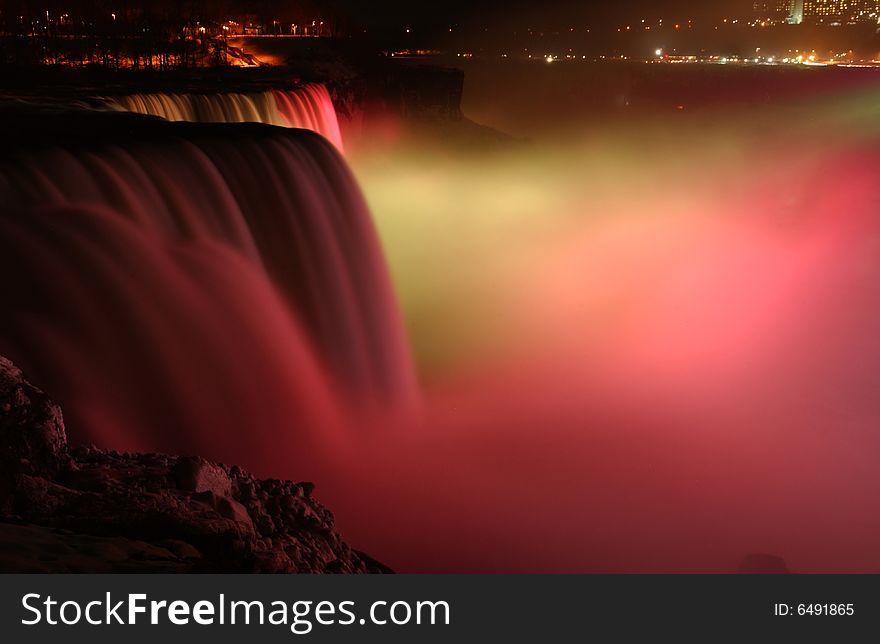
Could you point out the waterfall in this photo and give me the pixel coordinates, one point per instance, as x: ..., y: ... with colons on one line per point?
x: 309, y: 108
x: 200, y: 284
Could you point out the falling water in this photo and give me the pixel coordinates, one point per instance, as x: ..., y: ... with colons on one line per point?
x: 203, y: 283
x: 309, y: 108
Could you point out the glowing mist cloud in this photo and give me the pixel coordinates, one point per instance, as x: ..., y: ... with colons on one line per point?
x: 648, y: 348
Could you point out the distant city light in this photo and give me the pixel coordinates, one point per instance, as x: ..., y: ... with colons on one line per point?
x: 779, y: 16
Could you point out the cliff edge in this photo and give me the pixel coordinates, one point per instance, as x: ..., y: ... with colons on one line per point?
x: 83, y: 509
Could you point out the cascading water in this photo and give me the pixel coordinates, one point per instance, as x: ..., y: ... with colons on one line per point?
x: 199, y: 289
x: 309, y: 108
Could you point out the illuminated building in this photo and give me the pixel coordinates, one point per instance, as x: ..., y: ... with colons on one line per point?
x: 777, y: 11
x: 842, y: 11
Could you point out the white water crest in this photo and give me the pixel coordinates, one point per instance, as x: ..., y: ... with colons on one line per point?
x: 309, y: 107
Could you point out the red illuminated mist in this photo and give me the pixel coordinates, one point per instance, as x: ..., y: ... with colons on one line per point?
x: 678, y: 391
x: 677, y: 388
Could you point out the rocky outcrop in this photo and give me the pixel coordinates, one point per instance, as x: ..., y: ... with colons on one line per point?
x: 31, y: 427
x: 84, y: 509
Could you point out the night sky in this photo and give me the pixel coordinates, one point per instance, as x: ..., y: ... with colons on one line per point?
x: 434, y: 14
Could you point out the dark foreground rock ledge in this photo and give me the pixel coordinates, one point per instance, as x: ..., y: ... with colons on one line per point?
x: 65, y: 509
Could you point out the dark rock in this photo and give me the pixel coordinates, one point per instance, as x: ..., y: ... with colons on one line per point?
x: 89, y: 510
x: 32, y: 437
x: 194, y: 474
x: 232, y: 509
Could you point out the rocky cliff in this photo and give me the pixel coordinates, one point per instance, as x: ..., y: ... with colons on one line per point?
x: 83, y: 509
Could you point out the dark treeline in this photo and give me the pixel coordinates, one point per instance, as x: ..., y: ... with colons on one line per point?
x: 145, y: 34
